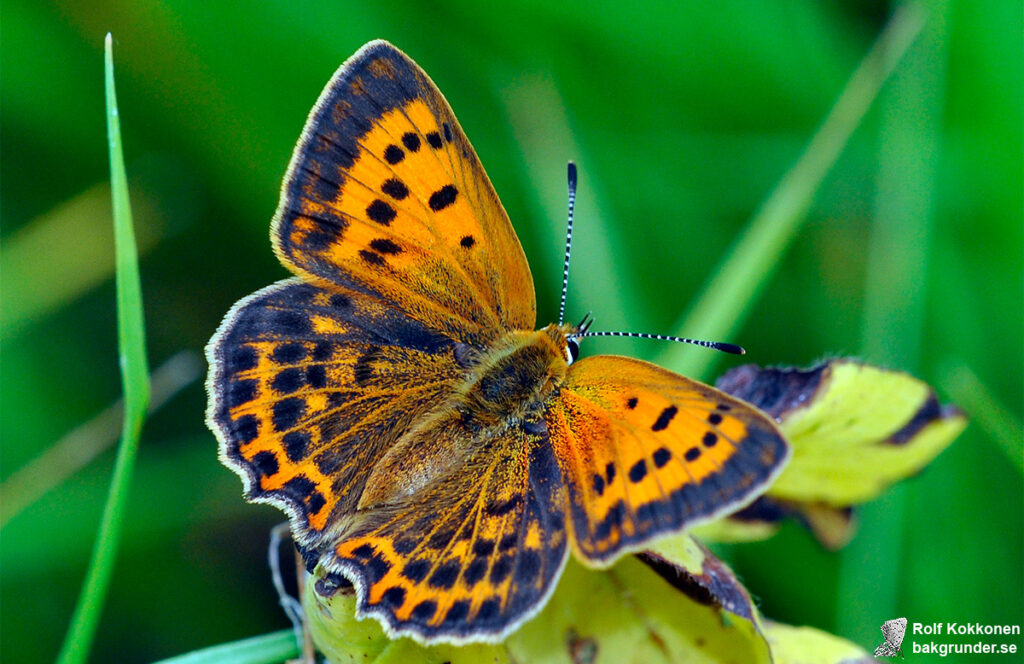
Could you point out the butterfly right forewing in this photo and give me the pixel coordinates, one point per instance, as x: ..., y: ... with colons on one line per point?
x: 645, y: 452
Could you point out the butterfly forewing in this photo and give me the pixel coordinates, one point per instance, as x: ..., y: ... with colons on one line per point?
x: 311, y: 388
x: 385, y: 193
x: 645, y: 451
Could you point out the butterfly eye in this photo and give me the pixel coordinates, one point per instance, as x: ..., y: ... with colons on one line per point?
x: 574, y: 350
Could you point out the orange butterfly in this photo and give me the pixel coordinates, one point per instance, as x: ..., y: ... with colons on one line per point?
x: 395, y: 400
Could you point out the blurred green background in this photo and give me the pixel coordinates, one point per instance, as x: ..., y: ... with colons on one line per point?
x: 682, y: 118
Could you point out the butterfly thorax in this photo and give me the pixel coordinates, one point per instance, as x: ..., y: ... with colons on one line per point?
x: 505, y: 386
x: 511, y: 381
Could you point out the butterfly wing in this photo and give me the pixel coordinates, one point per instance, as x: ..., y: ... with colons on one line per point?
x: 474, y: 555
x: 309, y: 388
x: 645, y: 451
x: 385, y: 194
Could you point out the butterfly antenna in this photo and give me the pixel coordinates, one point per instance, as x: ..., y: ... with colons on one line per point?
x: 717, y: 345
x: 568, y: 242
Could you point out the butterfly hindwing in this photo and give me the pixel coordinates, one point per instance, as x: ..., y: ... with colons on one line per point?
x: 645, y: 451
x: 473, y: 555
x: 385, y: 193
x: 310, y: 387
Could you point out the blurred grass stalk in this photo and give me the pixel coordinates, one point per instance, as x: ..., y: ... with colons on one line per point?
x: 725, y: 302
x: 894, y: 296
x: 86, y: 441
x: 79, y: 255
x: 986, y: 410
x: 135, y: 378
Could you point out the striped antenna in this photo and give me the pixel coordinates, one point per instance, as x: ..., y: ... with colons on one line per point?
x: 717, y: 345
x: 568, y: 242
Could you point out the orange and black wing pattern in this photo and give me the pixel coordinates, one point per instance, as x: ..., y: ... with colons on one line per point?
x: 309, y: 388
x: 385, y: 194
x: 471, y: 557
x: 645, y: 451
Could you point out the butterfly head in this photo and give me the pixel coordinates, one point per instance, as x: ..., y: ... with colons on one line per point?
x: 567, y: 337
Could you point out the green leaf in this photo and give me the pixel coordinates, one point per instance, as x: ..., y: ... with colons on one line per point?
x: 135, y: 378
x: 806, y: 645
x: 266, y: 649
x: 642, y: 618
x: 855, y: 430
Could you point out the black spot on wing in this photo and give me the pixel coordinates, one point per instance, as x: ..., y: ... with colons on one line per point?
x: 416, y: 570
x: 501, y: 569
x: 385, y: 246
x: 381, y: 212
x: 442, y: 198
x: 445, y: 575
x: 393, y: 154
x: 246, y: 428
x: 638, y: 471
x: 241, y: 359
x: 241, y: 392
x: 288, y: 380
x: 395, y: 188
x: 425, y: 610
x: 457, y: 613
x: 411, y: 141
x: 393, y: 597
x: 475, y: 571
x: 664, y: 418
x: 289, y: 353
x: 287, y: 412
x: 265, y: 463
x: 296, y: 444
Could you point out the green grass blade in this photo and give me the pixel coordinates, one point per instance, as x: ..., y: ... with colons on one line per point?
x: 266, y: 649
x: 986, y: 410
x: 135, y: 378
x: 724, y: 304
x: 894, y: 318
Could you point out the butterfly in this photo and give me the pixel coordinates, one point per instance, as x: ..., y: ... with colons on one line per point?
x: 396, y: 401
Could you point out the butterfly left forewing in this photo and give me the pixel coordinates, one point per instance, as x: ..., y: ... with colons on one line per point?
x: 645, y: 451
x: 385, y: 193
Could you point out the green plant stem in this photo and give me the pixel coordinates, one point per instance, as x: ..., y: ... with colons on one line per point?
x: 726, y: 300
x: 135, y: 378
